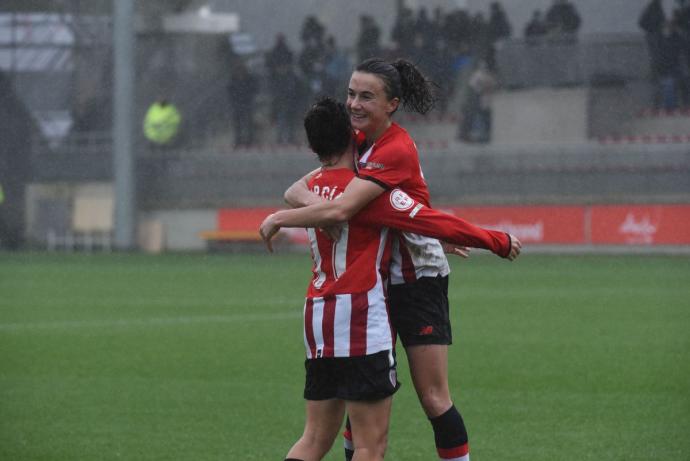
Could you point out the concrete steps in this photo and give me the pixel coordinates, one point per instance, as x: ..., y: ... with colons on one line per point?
x: 651, y: 126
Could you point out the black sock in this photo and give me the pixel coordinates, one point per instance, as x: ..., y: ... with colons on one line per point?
x: 450, y: 434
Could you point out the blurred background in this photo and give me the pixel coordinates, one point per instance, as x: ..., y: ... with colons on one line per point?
x: 172, y: 125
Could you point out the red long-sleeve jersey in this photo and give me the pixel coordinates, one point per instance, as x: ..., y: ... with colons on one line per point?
x: 346, y: 310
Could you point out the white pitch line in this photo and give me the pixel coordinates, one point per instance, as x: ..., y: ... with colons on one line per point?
x: 150, y: 322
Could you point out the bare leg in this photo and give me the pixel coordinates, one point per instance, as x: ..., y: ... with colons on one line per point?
x: 429, y: 372
x: 324, y: 418
x: 370, y: 428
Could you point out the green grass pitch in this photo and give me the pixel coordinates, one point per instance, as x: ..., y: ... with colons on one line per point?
x: 199, y: 357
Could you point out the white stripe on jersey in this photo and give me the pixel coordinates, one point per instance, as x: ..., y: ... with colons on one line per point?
x: 341, y: 334
x: 316, y: 255
x: 380, y: 336
x: 317, y: 326
x: 378, y: 328
x: 378, y: 333
x: 365, y: 156
x: 340, y: 252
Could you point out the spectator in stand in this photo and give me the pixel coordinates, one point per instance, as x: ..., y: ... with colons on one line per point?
x: 243, y: 89
x: 368, y: 41
x: 424, y: 48
x: 480, y: 39
x: 403, y: 31
x: 312, y: 30
x: 670, y: 51
x: 311, y: 64
x: 336, y: 67
x: 313, y: 55
x: 288, y: 91
x: 563, y: 19
x: 457, y: 29
x: 536, y: 27
x: 443, y: 62
x: 476, y: 109
x: 499, y: 26
x: 282, y: 85
x: 280, y: 55
x: 652, y: 22
x: 681, y: 17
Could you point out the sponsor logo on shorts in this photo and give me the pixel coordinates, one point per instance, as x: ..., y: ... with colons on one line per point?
x: 400, y: 200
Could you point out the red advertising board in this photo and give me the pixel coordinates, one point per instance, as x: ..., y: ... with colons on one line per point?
x: 242, y: 219
x: 531, y: 224
x: 641, y: 224
x: 570, y: 225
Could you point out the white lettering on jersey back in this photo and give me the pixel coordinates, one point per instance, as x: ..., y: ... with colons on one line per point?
x: 326, y: 192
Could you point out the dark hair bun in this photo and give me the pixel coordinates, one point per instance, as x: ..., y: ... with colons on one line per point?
x: 328, y: 128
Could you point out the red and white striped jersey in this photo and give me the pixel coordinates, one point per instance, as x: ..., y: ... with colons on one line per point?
x: 346, y: 312
x: 393, y: 161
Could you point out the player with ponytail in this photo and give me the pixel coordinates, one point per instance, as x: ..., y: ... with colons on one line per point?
x: 418, y: 293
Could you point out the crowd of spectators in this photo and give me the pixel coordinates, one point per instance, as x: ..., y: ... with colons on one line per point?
x: 455, y: 48
x: 668, y: 42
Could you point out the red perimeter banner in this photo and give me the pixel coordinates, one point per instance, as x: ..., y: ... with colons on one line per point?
x: 599, y: 224
x: 533, y: 224
x: 641, y: 224
x: 572, y: 225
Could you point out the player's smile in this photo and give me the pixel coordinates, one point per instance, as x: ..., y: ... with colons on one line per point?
x: 368, y: 104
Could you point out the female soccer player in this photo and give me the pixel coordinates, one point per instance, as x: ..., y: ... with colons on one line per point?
x: 419, y: 269
x: 348, y: 338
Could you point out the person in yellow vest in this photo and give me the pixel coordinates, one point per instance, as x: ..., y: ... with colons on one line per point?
x: 2, y: 195
x: 161, y: 123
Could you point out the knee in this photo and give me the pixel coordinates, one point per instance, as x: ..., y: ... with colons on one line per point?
x: 375, y: 450
x: 434, y: 400
x: 318, y: 444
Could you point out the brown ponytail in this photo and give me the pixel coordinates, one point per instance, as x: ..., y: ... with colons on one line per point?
x: 402, y: 80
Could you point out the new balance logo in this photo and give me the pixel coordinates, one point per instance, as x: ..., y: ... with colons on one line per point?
x: 427, y: 330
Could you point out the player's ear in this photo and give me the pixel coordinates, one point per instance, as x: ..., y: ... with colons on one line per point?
x: 393, y: 105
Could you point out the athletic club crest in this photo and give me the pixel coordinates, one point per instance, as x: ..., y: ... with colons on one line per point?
x: 400, y: 200
x: 393, y: 377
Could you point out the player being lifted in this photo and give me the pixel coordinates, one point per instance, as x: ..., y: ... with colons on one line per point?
x: 418, y: 291
x: 350, y: 363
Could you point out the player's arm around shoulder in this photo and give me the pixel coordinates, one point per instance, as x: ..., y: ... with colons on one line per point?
x: 298, y: 194
x: 358, y: 194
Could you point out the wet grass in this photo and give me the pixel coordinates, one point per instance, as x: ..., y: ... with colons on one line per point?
x: 200, y: 357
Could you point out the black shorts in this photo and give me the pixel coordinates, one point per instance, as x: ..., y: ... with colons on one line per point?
x: 369, y: 377
x: 419, y: 311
